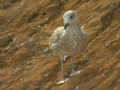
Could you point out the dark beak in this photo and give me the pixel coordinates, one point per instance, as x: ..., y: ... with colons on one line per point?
x: 66, y: 25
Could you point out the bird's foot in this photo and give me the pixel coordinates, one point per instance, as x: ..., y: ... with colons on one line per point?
x: 63, y: 81
x: 74, y: 73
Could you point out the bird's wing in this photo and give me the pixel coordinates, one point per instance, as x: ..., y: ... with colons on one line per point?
x: 56, y: 37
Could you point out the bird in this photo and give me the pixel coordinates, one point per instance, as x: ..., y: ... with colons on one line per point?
x: 68, y: 40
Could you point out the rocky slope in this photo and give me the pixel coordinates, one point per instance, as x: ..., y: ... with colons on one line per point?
x: 27, y: 64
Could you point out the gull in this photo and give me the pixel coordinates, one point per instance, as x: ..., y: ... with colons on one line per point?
x: 68, y: 40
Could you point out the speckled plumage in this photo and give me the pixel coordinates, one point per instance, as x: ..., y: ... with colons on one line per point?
x: 68, y: 40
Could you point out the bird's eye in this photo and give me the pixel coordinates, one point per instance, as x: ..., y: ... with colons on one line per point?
x: 71, y: 17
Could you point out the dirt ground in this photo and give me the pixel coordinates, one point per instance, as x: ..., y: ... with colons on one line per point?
x: 26, y: 63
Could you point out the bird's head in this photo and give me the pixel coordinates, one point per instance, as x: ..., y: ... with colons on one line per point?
x: 69, y: 18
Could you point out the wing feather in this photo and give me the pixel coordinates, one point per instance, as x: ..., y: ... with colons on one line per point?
x: 56, y: 37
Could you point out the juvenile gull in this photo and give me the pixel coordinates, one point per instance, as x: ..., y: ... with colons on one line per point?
x: 68, y: 40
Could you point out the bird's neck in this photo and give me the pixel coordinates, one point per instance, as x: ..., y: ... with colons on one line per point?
x: 74, y: 27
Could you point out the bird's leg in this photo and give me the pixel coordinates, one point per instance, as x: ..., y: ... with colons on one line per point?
x: 62, y: 68
x: 74, y: 72
x: 73, y: 65
x: 85, y: 61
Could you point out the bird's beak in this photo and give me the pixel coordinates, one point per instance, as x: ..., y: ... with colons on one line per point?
x: 66, y: 25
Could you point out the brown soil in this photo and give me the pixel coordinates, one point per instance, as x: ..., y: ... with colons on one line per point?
x: 25, y: 28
